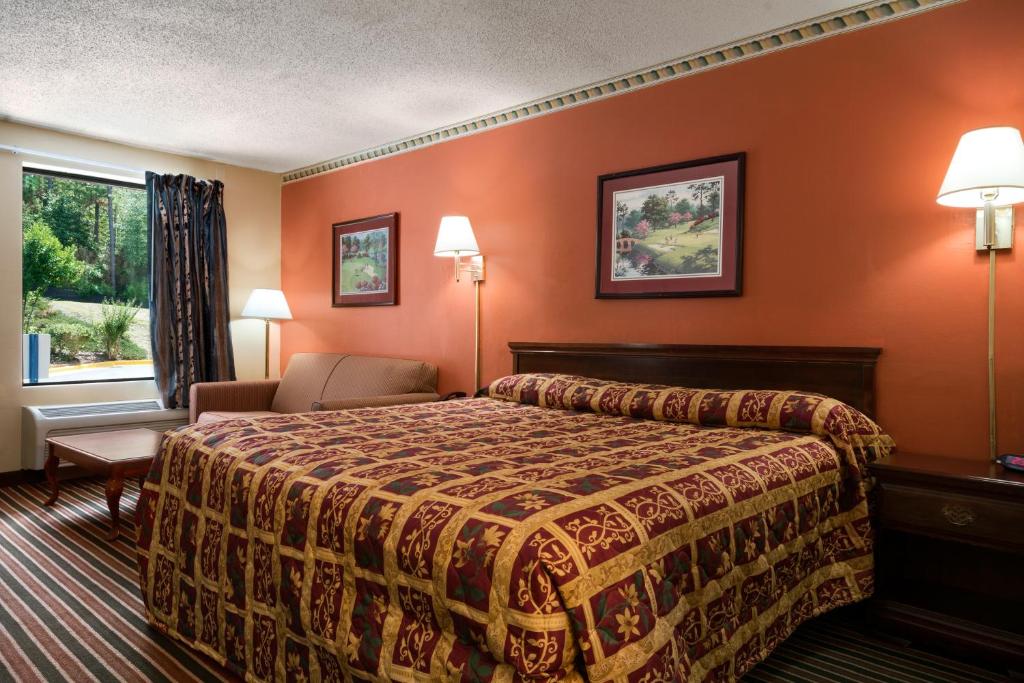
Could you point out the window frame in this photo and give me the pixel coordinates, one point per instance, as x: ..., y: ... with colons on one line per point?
x: 28, y: 168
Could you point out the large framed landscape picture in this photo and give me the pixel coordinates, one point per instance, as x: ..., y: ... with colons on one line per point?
x: 671, y: 231
x: 365, y: 261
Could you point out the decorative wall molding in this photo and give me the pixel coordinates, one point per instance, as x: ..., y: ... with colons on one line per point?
x: 868, y: 14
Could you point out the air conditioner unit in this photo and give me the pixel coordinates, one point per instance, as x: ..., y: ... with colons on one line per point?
x: 40, y: 422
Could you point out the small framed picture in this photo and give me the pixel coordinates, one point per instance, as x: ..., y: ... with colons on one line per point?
x: 365, y: 261
x: 671, y: 231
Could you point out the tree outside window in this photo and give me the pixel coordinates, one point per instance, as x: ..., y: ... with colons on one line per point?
x: 85, y: 277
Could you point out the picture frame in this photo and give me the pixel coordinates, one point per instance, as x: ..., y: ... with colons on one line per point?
x: 365, y: 261
x: 671, y: 231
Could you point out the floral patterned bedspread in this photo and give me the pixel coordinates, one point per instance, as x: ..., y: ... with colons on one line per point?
x: 561, y: 529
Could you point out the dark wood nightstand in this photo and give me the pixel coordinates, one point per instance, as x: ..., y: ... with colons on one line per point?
x: 950, y: 556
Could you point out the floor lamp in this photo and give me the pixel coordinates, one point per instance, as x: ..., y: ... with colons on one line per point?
x: 987, y: 174
x: 268, y: 304
x: 455, y: 238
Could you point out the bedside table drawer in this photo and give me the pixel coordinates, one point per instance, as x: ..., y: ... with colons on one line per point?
x: 986, y: 521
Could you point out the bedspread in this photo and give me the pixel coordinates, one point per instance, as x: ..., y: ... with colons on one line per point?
x: 560, y: 528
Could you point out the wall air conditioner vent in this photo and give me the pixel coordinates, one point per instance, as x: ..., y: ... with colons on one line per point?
x: 100, y: 409
x: 40, y: 422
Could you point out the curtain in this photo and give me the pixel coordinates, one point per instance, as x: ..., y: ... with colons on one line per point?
x: 188, y: 294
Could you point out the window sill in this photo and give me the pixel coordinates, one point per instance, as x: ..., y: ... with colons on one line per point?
x: 74, y: 382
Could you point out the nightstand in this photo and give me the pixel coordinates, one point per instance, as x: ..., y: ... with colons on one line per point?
x: 950, y: 556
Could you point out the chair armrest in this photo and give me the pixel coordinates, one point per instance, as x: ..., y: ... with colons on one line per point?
x: 233, y: 396
x: 374, y: 401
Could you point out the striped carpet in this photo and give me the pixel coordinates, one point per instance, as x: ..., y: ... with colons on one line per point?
x: 70, y: 611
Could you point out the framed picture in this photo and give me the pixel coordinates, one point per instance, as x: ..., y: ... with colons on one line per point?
x: 671, y: 231
x: 365, y: 261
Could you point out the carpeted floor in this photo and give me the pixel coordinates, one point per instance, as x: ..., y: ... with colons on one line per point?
x: 70, y: 611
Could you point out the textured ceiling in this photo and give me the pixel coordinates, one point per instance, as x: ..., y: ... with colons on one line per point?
x: 280, y: 85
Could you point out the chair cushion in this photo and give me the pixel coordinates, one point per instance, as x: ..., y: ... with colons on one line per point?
x: 361, y: 376
x: 218, y: 415
x: 375, y: 401
x: 303, y: 381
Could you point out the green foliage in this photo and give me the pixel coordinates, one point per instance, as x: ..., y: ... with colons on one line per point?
x: 704, y: 261
x: 621, y: 211
x: 68, y: 206
x: 33, y: 311
x: 702, y: 192
x: 630, y: 220
x: 94, y: 284
x: 46, y: 262
x: 79, y: 215
x: 656, y: 211
x: 69, y: 335
x: 111, y: 330
x: 682, y: 206
x: 66, y: 218
x: 132, y: 351
x: 132, y: 244
x: 138, y: 291
x: 68, y: 339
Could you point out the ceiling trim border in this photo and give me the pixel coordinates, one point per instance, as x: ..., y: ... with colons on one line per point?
x: 868, y: 14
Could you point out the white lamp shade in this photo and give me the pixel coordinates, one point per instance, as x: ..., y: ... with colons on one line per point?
x: 986, y: 160
x: 269, y: 304
x: 455, y: 238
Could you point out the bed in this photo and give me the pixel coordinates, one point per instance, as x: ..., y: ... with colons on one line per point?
x: 580, y: 521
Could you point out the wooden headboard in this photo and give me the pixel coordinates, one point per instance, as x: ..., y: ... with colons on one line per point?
x: 842, y: 372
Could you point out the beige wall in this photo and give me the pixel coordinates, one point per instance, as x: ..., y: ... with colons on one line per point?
x: 253, y: 206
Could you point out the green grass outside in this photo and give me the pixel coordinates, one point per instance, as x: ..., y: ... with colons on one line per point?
x: 355, y: 269
x: 669, y: 246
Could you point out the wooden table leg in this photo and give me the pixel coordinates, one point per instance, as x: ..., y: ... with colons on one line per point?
x: 52, y: 461
x: 115, y: 485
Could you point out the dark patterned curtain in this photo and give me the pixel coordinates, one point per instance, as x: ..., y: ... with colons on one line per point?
x: 188, y: 294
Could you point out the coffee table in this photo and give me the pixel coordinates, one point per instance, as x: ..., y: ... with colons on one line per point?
x: 116, y: 455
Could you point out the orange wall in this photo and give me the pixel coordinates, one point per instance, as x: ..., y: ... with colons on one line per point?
x: 847, y: 140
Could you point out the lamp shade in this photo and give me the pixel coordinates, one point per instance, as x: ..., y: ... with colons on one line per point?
x: 455, y: 238
x: 987, y: 161
x: 269, y: 304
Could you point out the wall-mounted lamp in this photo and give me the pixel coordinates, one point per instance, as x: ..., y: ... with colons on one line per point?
x: 455, y: 238
x: 987, y: 173
x: 268, y: 304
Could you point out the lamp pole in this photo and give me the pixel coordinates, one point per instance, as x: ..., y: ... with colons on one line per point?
x: 476, y: 336
x: 989, y: 218
x: 266, y: 348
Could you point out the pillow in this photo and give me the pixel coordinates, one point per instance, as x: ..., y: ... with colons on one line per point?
x: 852, y: 432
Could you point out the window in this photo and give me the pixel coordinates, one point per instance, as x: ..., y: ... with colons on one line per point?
x: 85, y: 275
